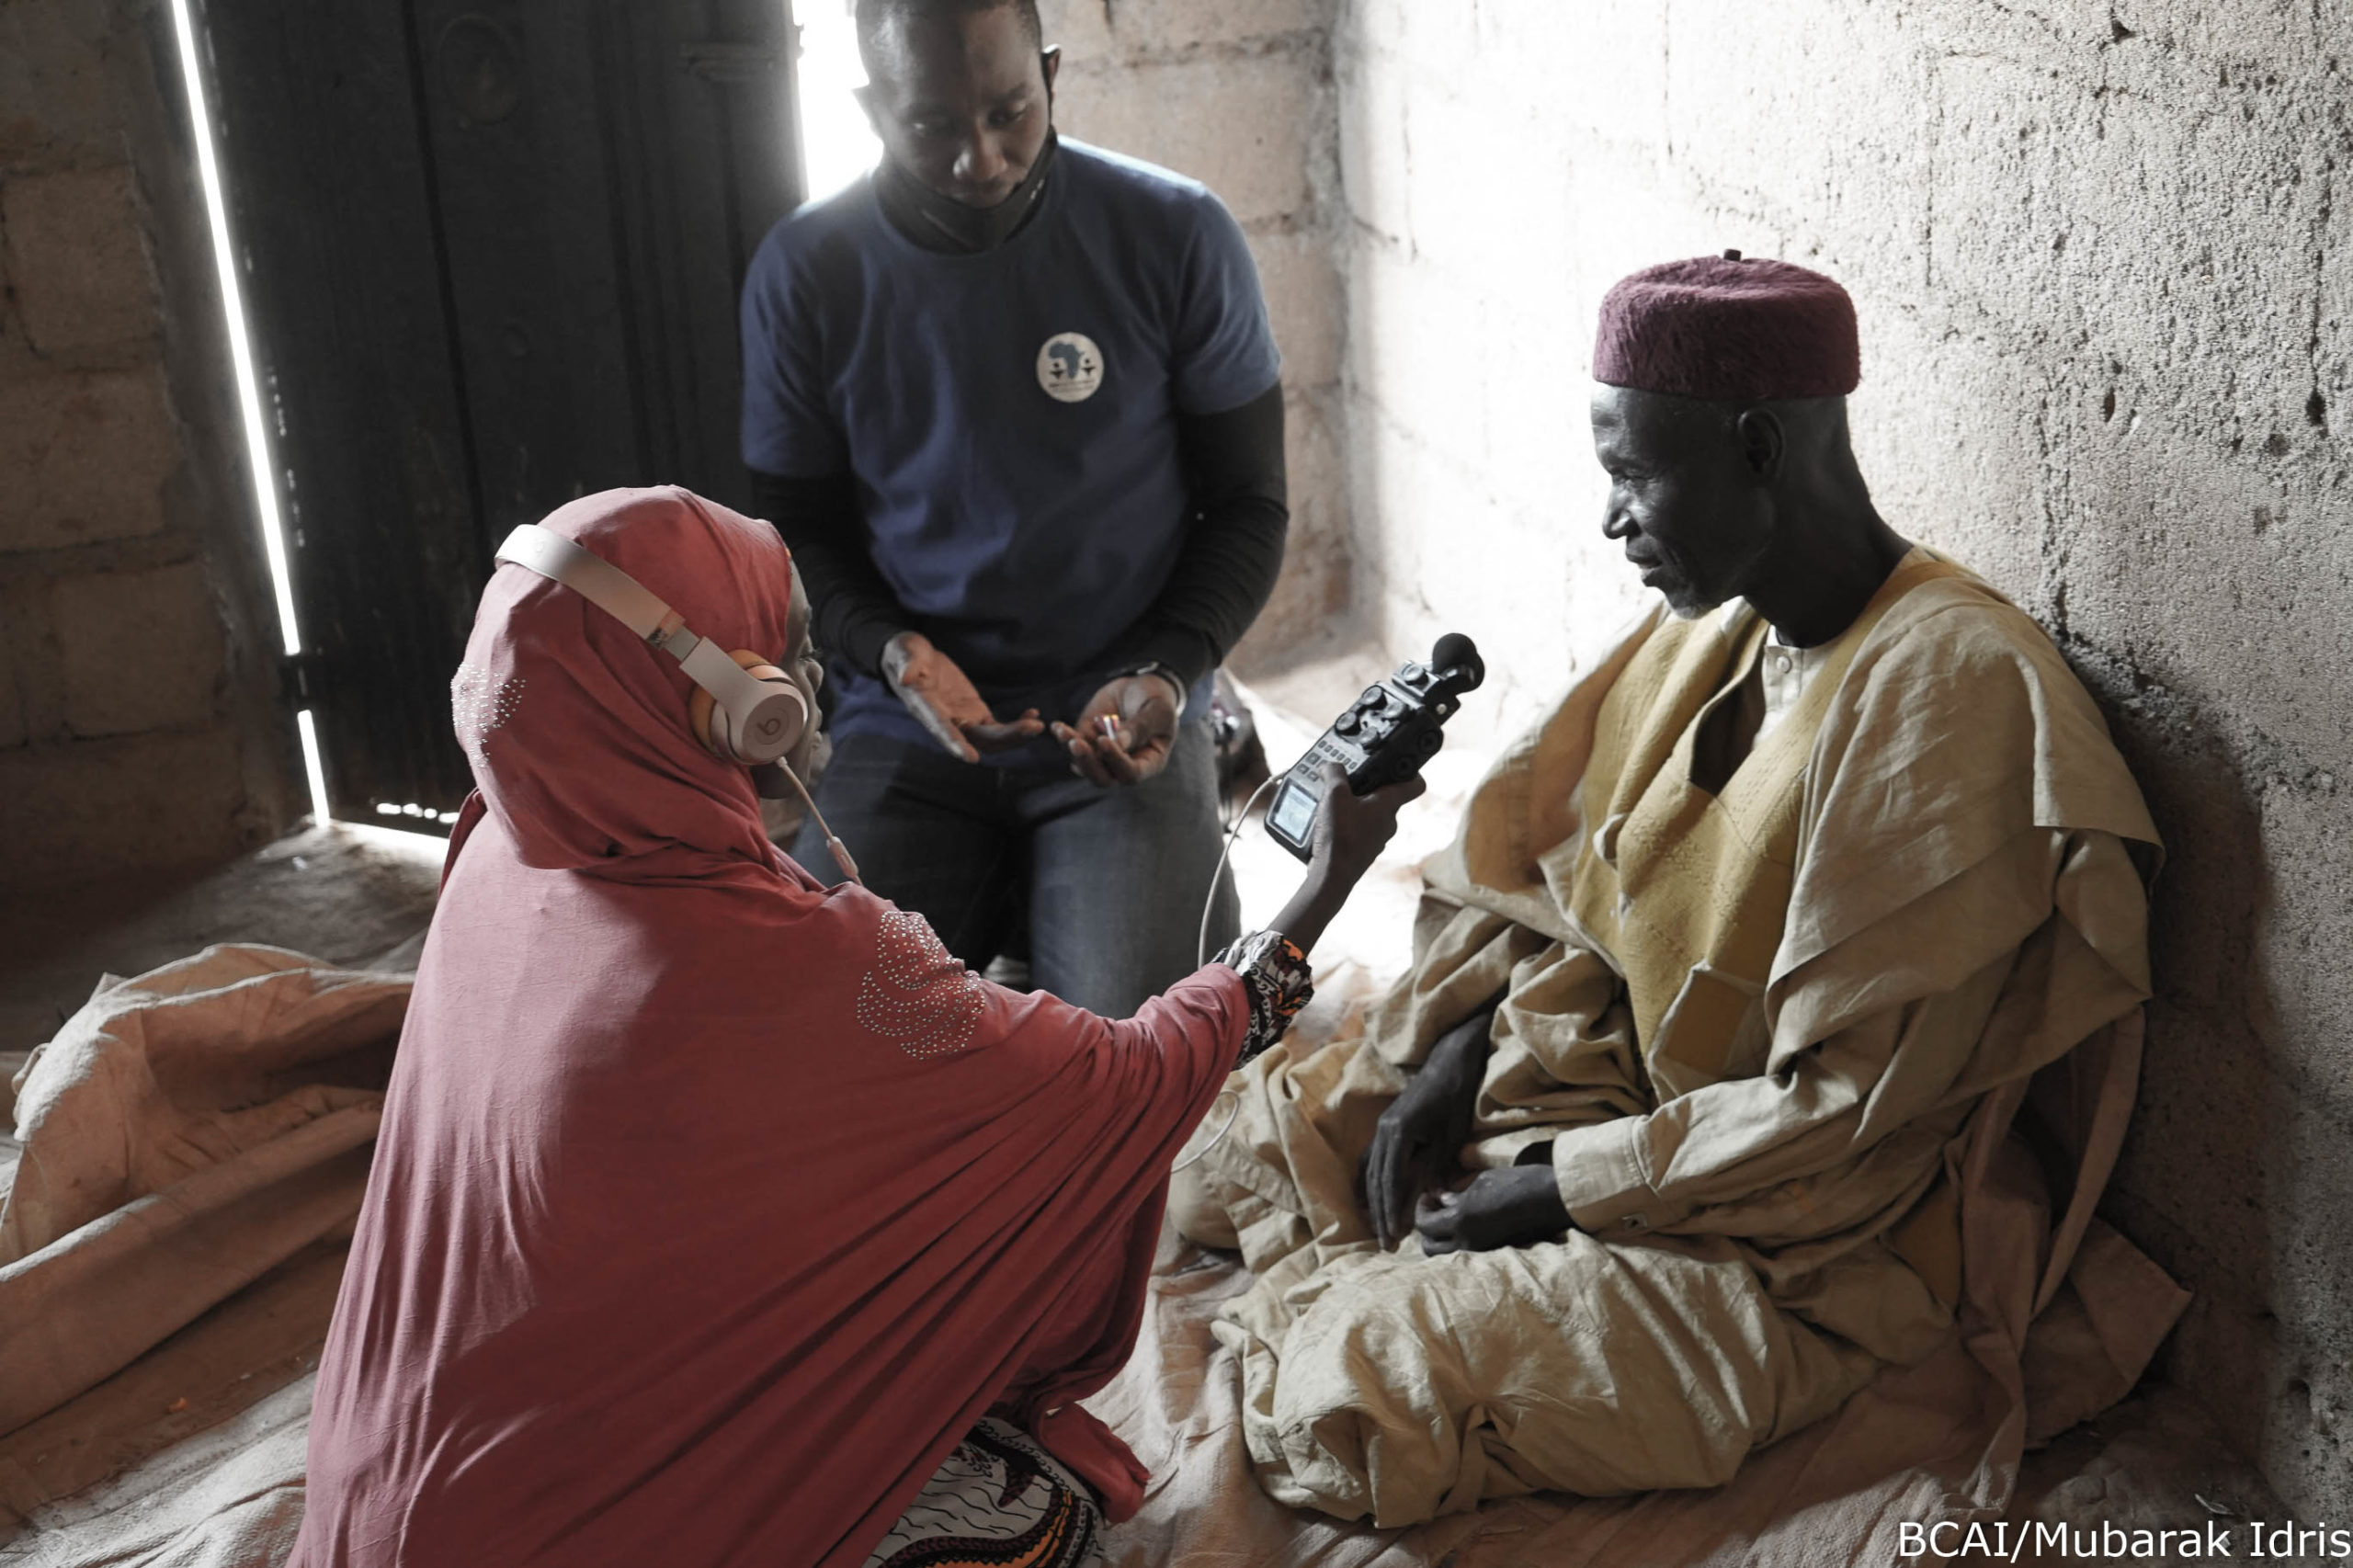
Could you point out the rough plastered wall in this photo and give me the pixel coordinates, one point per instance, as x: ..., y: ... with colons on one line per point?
x: 1237, y: 94
x: 135, y: 729
x: 2103, y: 255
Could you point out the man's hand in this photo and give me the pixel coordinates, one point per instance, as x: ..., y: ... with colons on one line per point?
x: 1514, y: 1206
x: 1134, y: 745
x: 1416, y: 1141
x: 942, y: 698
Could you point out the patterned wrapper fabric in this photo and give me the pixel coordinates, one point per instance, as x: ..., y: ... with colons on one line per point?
x: 1000, y: 1501
x: 1279, y: 982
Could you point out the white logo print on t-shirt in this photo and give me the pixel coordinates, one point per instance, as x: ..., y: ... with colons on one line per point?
x: 1070, y: 366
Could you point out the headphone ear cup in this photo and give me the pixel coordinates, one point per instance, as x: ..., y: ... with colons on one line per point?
x: 774, y: 727
x: 767, y: 732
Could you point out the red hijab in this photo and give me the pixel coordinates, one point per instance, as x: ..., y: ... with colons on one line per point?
x: 712, y: 1206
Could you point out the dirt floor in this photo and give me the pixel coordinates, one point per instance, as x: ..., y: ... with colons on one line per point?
x: 349, y: 895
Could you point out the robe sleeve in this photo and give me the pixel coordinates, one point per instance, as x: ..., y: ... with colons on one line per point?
x: 1561, y: 1055
x: 1745, y: 1148
x: 1101, y: 1123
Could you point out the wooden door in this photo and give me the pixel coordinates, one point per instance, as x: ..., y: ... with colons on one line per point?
x: 492, y: 253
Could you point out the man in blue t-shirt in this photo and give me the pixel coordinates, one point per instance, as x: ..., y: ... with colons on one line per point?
x: 1013, y: 404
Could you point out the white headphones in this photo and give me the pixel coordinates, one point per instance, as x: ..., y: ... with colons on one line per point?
x: 747, y: 711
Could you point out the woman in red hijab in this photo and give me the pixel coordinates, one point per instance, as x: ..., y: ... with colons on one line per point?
x: 718, y: 1217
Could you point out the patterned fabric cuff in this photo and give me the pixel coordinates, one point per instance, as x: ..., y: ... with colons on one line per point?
x: 1279, y: 983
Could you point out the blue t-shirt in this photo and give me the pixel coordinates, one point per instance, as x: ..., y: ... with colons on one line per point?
x: 1010, y: 416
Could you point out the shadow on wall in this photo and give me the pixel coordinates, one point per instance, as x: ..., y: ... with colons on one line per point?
x: 2227, y: 1173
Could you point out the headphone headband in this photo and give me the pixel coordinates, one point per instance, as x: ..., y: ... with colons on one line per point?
x: 627, y: 600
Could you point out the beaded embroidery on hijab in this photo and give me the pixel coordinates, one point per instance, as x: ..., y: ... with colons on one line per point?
x: 577, y: 731
x: 479, y: 704
x: 916, y: 997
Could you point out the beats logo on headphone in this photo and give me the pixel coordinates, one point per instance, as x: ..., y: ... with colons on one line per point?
x: 772, y: 728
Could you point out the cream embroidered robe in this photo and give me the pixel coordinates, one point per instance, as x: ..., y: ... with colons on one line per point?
x: 1778, y: 1037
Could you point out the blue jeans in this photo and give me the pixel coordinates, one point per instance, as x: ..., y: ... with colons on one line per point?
x: 1110, y: 882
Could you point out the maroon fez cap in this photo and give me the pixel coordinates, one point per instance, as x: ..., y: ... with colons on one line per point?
x: 1727, y: 328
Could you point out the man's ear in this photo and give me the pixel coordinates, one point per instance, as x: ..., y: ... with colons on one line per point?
x: 1050, y: 60
x: 1763, y: 441
x: 867, y: 96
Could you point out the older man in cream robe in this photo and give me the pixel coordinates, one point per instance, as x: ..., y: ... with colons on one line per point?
x: 1780, y: 993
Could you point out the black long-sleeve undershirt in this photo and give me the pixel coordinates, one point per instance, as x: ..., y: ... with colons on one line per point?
x: 1235, y: 488
x: 852, y: 612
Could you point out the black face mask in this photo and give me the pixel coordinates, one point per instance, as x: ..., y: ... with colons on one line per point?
x: 942, y: 223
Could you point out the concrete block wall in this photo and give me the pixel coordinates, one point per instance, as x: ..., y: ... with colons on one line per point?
x: 136, y: 734
x: 2103, y: 255
x: 1237, y: 94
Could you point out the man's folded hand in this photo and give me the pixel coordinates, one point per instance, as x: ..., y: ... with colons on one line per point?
x: 1517, y: 1206
x: 1418, y: 1138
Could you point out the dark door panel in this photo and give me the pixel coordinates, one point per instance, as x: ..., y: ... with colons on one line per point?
x: 336, y: 219
x: 493, y: 251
